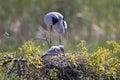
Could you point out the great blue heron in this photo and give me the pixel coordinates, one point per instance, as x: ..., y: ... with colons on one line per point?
x: 55, y: 21
x: 53, y: 52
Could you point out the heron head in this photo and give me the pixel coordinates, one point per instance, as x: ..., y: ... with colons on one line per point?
x: 61, y: 48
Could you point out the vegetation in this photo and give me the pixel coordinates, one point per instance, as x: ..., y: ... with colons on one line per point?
x: 25, y: 63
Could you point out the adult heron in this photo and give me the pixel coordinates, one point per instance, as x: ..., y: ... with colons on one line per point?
x: 56, y: 22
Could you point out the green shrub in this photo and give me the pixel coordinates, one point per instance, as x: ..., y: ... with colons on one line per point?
x: 26, y: 63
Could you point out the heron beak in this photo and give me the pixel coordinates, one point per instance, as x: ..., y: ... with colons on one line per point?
x: 63, y: 53
x: 65, y: 29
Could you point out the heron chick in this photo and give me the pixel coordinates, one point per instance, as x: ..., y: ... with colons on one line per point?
x: 52, y: 53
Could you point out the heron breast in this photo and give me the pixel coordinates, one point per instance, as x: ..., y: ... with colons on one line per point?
x: 58, y: 28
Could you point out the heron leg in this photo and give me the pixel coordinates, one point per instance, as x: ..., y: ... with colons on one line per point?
x: 50, y: 36
x: 60, y: 42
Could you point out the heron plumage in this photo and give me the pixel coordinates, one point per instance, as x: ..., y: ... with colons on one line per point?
x: 54, y: 51
x: 56, y: 20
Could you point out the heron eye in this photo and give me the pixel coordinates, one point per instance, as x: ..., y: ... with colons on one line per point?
x: 54, y: 20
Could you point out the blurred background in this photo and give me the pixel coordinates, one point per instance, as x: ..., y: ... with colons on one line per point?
x: 91, y: 20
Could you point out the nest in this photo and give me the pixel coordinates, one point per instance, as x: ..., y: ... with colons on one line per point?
x: 62, y: 68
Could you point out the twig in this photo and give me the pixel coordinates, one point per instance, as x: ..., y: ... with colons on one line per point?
x: 43, y: 39
x: 48, y: 42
